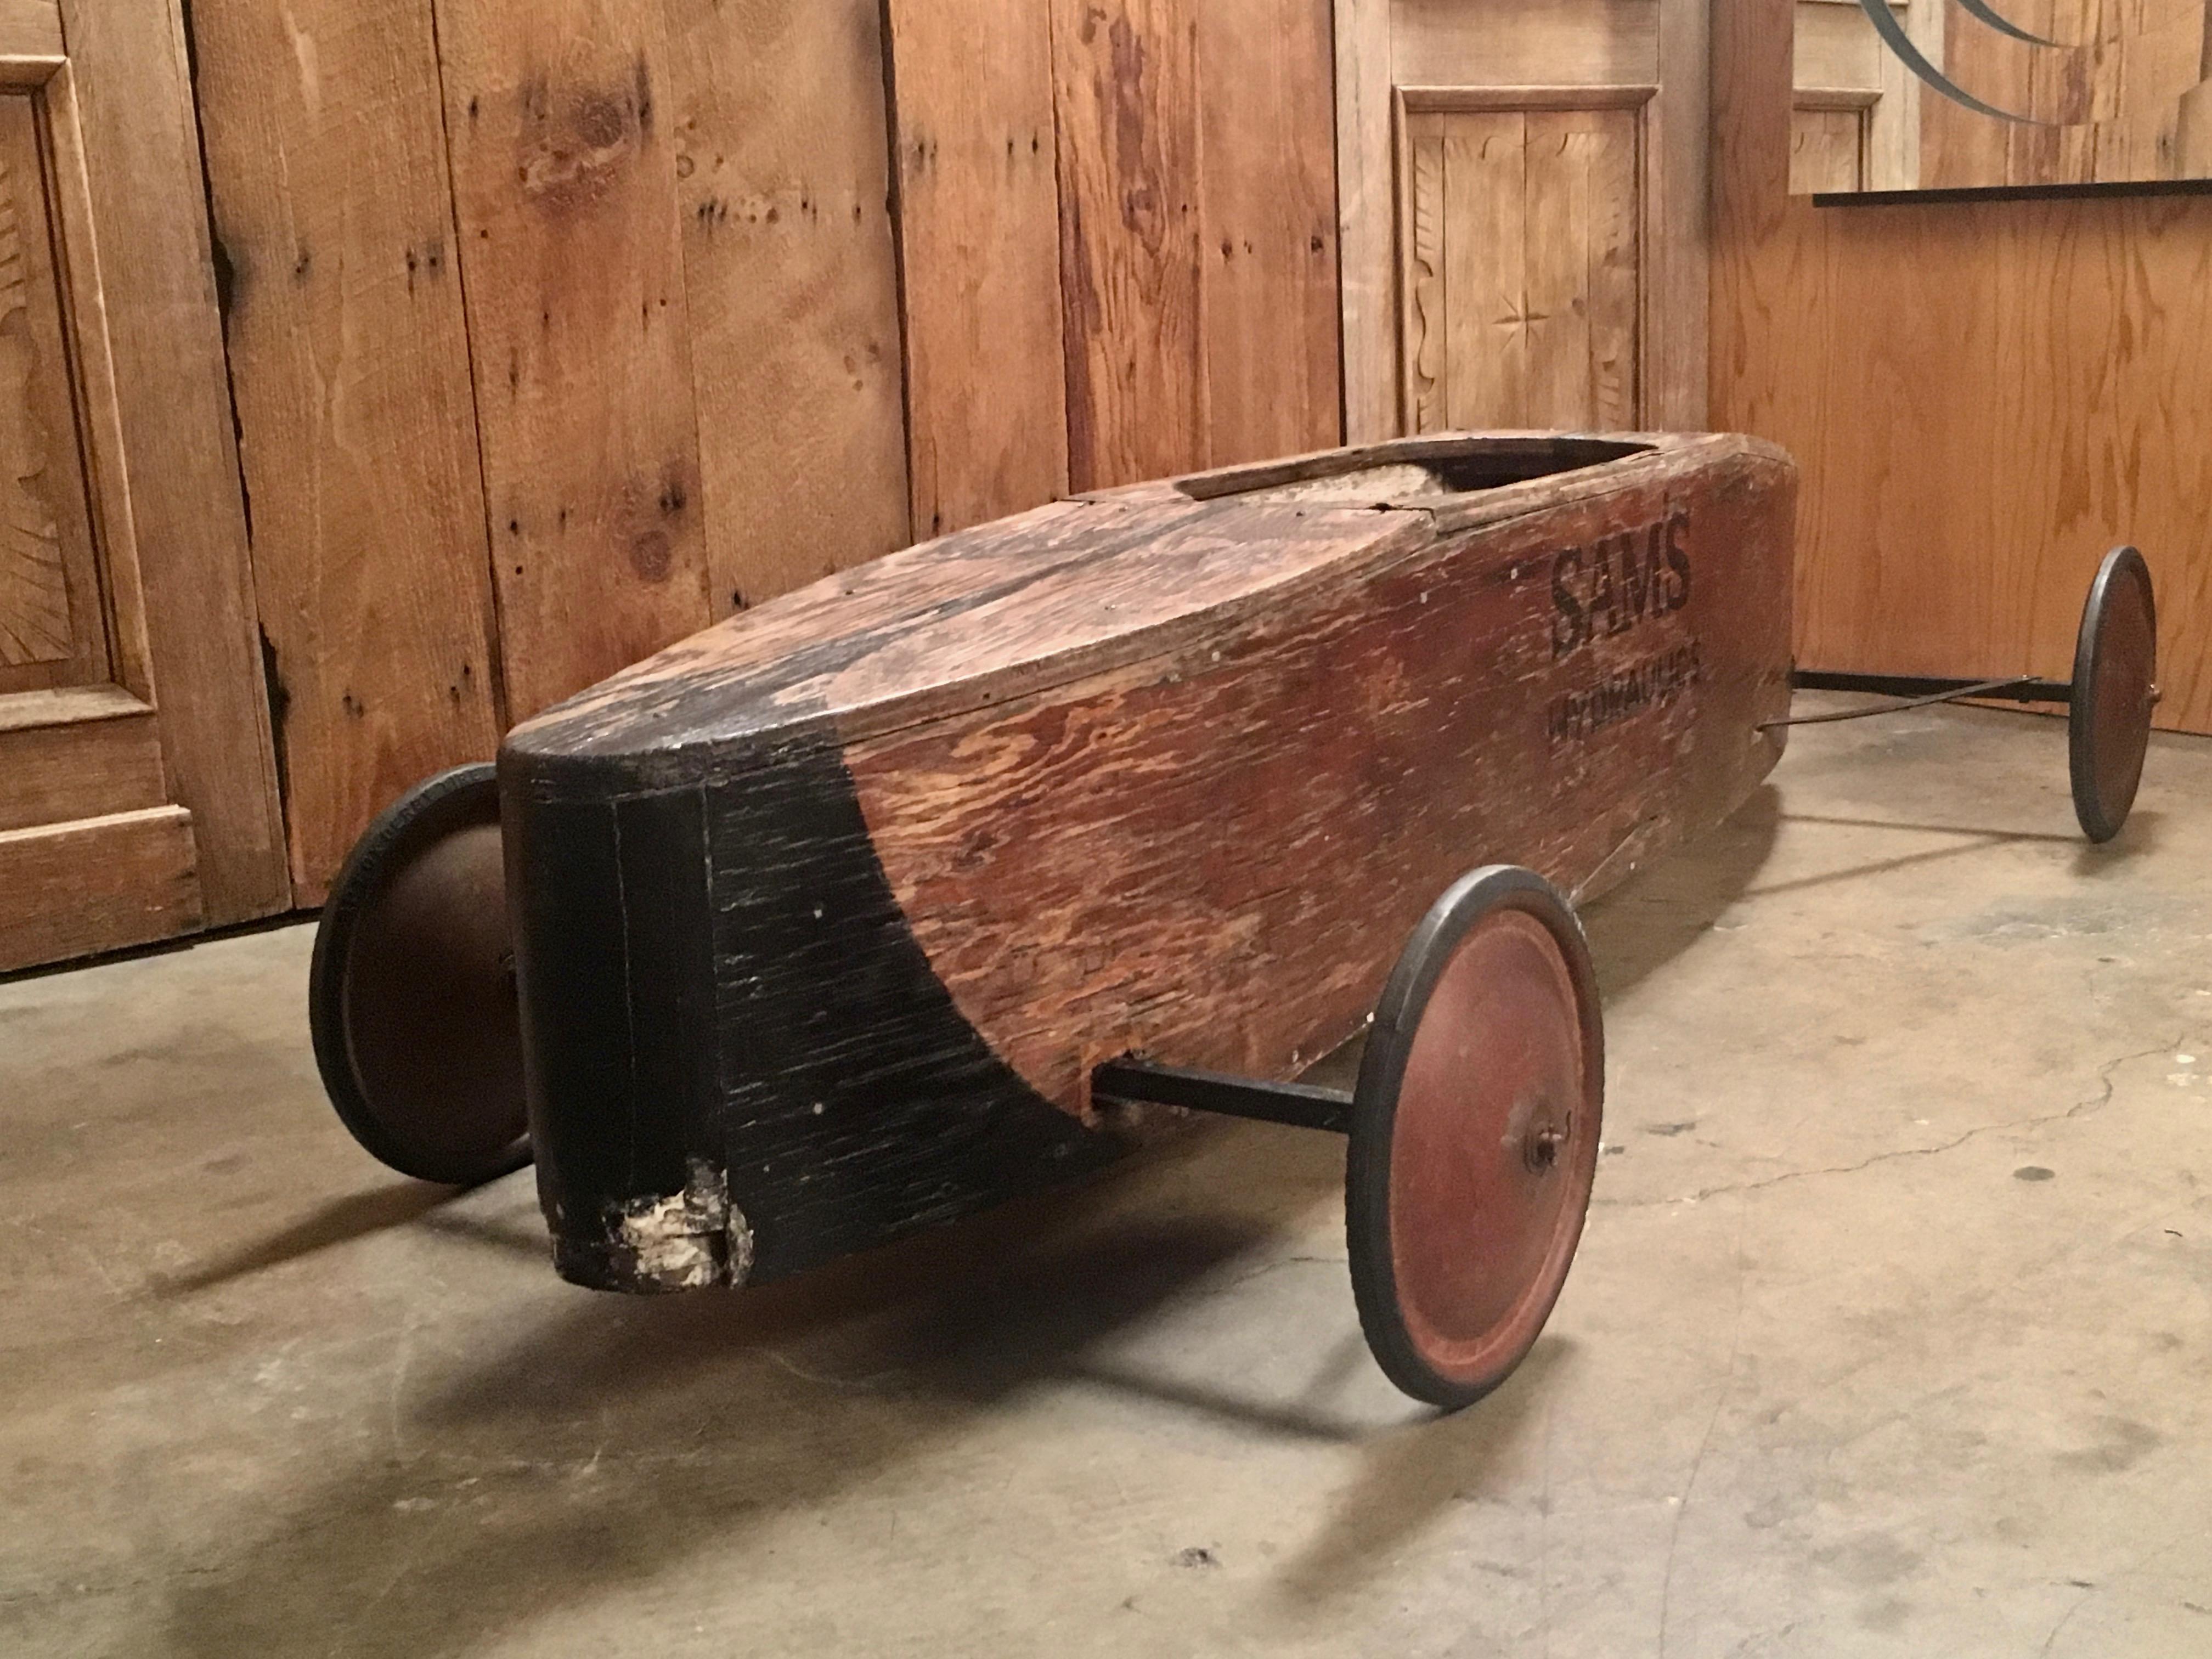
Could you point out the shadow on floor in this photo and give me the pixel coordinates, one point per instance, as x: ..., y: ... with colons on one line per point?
x: 339, y: 1222
x: 620, y: 1435
x: 1659, y: 913
x: 600, y: 1452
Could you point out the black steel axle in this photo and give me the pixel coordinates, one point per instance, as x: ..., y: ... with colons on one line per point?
x: 1302, y: 1105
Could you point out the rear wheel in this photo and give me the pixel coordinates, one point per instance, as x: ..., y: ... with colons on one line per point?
x: 2115, y: 687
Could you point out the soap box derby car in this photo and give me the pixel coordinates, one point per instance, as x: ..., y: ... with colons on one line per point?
x: 942, y: 879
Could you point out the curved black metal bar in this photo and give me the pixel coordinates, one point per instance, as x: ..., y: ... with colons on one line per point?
x: 1982, y: 12
x: 1894, y: 36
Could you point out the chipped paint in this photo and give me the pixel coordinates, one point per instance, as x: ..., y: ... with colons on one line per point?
x: 683, y: 1241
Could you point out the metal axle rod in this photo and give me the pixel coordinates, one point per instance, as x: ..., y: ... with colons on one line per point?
x: 1915, y: 691
x: 1302, y: 1105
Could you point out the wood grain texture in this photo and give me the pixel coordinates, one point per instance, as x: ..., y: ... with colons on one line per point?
x: 52, y: 627
x: 80, y: 769
x: 148, y: 212
x: 1125, y: 76
x: 1486, y: 232
x: 1675, y: 236
x: 1984, y: 398
x: 324, y: 134
x: 96, y: 884
x: 1268, y: 229
x: 1422, y: 285
x: 1582, y: 288
x: 1537, y: 215
x: 1365, y: 200
x: 895, y: 859
x: 979, y: 236
x: 2122, y: 85
x: 564, y: 179
x: 30, y: 28
x: 1524, y: 42
x: 782, y: 182
x: 1827, y: 150
x: 1163, y: 859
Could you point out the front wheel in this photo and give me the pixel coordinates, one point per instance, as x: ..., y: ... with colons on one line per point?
x: 1474, y: 1135
x: 412, y: 997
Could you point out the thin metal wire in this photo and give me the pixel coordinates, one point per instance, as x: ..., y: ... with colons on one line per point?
x: 1982, y: 689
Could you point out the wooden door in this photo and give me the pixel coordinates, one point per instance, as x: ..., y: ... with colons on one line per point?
x: 1521, y: 188
x: 132, y: 724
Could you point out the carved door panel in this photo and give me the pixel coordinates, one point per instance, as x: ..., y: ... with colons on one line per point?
x: 96, y: 850
x: 1521, y: 194
x: 1522, y: 281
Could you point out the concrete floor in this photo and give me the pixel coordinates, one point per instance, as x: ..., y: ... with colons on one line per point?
x: 1889, y: 1334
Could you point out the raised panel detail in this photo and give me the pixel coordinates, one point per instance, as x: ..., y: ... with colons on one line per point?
x: 50, y: 631
x: 1521, y: 289
x: 1827, y: 150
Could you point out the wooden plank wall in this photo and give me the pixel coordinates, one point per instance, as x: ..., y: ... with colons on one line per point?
x: 557, y: 329
x: 1984, y: 398
x: 2119, y: 86
x: 1194, y: 298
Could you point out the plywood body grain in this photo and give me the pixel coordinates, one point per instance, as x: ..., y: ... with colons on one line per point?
x: 1173, y: 769
x: 1985, y: 398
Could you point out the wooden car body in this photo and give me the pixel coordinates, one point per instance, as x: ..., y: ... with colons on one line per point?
x: 824, y: 916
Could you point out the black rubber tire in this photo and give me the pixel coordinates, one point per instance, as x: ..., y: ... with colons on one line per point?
x: 1432, y: 948
x: 2115, y: 686
x: 488, y: 1144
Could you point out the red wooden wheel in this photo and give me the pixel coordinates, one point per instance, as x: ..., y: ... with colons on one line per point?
x: 1474, y: 1136
x: 411, y: 998
x: 2115, y: 676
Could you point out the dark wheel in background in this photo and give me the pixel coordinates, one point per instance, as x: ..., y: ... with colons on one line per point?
x: 411, y: 998
x: 1474, y: 1135
x: 2114, y: 689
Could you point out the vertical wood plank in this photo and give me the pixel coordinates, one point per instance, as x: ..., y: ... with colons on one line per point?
x: 1366, y: 206
x: 979, y: 237
x: 149, y: 204
x: 1268, y: 229
x: 1615, y: 278
x: 1674, y: 261
x: 1485, y: 260
x: 1127, y: 100
x: 325, y: 132
x: 564, y: 181
x: 1426, y: 347
x: 783, y: 181
x: 1556, y: 267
